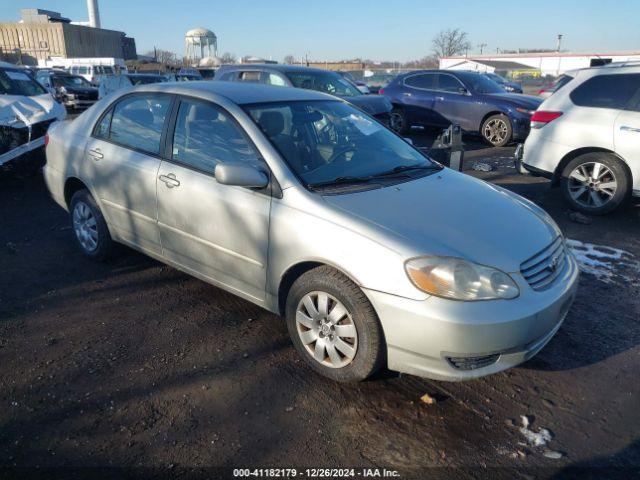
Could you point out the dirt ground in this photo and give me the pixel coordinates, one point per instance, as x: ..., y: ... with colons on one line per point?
x: 131, y: 363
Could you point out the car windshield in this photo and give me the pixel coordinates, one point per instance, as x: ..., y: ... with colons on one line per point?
x: 479, y: 83
x: 145, y: 79
x: 495, y: 78
x: 327, y: 82
x: 104, y: 70
x: 70, y: 81
x: 329, y: 143
x: 15, y: 82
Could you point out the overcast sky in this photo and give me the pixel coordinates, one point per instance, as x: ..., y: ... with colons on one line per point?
x: 379, y: 30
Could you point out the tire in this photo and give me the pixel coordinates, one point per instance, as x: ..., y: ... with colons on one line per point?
x: 398, y: 121
x: 367, y: 352
x: 497, y: 130
x: 591, y: 195
x: 89, y: 227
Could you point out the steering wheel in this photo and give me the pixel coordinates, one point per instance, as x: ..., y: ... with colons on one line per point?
x: 341, y: 151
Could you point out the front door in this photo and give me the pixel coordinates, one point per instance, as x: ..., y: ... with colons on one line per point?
x: 220, y: 232
x: 626, y: 135
x: 124, y: 155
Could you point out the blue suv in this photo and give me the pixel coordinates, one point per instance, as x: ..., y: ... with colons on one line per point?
x: 479, y: 105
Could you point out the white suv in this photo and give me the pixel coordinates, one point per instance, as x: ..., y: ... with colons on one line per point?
x: 586, y: 137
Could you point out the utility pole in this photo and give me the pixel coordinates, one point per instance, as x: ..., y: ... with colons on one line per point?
x: 559, y: 42
x: 481, y: 47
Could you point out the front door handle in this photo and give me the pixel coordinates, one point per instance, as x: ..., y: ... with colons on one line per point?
x: 440, y: 98
x: 96, y: 154
x: 627, y: 128
x: 169, y: 180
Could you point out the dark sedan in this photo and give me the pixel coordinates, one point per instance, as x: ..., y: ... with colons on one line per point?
x: 479, y: 105
x: 73, y: 91
x: 310, y: 79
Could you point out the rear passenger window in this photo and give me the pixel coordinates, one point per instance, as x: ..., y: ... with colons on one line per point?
x: 138, y: 121
x: 425, y: 80
x: 607, y: 91
x: 205, y: 136
x: 250, y: 77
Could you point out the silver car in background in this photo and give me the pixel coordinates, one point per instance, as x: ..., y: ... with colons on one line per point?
x: 297, y: 201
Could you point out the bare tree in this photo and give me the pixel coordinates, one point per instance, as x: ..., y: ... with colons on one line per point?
x: 289, y: 59
x: 228, y: 58
x: 164, y: 56
x: 451, y: 42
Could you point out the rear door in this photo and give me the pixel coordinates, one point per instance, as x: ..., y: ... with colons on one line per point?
x: 124, y: 157
x: 418, y: 97
x: 220, y: 232
x: 626, y: 131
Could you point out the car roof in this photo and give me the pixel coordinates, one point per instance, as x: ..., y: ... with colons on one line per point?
x: 238, y: 92
x: 276, y: 66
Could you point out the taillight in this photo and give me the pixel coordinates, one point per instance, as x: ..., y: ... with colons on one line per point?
x: 541, y: 118
x: 46, y: 140
x: 381, y: 91
x: 541, y: 91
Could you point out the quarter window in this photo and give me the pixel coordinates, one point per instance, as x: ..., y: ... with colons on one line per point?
x: 424, y: 80
x: 102, y: 128
x: 205, y: 136
x: 607, y: 91
x: 138, y: 121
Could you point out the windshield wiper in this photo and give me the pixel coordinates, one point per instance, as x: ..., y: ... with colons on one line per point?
x: 403, y: 169
x: 341, y: 181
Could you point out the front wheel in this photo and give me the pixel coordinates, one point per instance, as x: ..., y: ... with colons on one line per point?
x: 595, y: 183
x: 497, y: 130
x: 333, y: 326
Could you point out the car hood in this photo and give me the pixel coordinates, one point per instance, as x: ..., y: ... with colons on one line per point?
x: 372, y: 104
x: 18, y: 111
x: 519, y: 100
x: 452, y: 214
x: 81, y: 89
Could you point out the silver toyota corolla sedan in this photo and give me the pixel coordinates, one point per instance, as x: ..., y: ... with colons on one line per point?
x: 303, y: 204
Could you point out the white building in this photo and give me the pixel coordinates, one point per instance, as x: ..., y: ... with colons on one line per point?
x: 548, y: 63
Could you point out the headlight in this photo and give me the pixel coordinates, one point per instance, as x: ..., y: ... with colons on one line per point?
x: 458, y: 279
x: 525, y: 111
x: 509, y: 88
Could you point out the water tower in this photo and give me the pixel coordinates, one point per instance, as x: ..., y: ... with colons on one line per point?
x: 200, y: 46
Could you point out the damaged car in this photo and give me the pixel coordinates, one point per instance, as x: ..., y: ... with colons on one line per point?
x: 73, y: 91
x: 26, y: 111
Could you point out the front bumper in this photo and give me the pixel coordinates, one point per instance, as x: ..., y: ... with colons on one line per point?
x: 429, y: 338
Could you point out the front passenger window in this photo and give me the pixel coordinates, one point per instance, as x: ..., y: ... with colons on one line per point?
x: 205, y: 136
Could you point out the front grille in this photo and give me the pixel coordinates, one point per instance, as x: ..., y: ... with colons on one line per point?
x: 544, y: 267
x: 87, y: 96
x: 39, y: 129
x: 472, y: 363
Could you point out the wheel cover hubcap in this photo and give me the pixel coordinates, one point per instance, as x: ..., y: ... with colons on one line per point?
x: 326, y: 330
x: 85, y: 226
x: 495, y: 131
x: 592, y: 184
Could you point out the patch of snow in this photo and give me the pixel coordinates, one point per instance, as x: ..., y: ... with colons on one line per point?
x: 607, y: 264
x: 536, y: 439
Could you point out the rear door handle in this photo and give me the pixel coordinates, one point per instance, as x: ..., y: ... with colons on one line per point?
x: 169, y: 180
x: 96, y: 154
x: 440, y: 98
x: 627, y: 128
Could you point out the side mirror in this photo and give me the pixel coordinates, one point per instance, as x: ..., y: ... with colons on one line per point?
x: 463, y: 91
x: 240, y: 175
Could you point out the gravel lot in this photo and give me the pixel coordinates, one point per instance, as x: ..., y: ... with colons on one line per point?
x: 132, y: 363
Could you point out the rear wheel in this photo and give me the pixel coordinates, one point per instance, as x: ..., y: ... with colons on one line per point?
x: 398, y: 121
x: 89, y: 226
x: 595, y: 183
x: 333, y: 326
x: 497, y: 130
